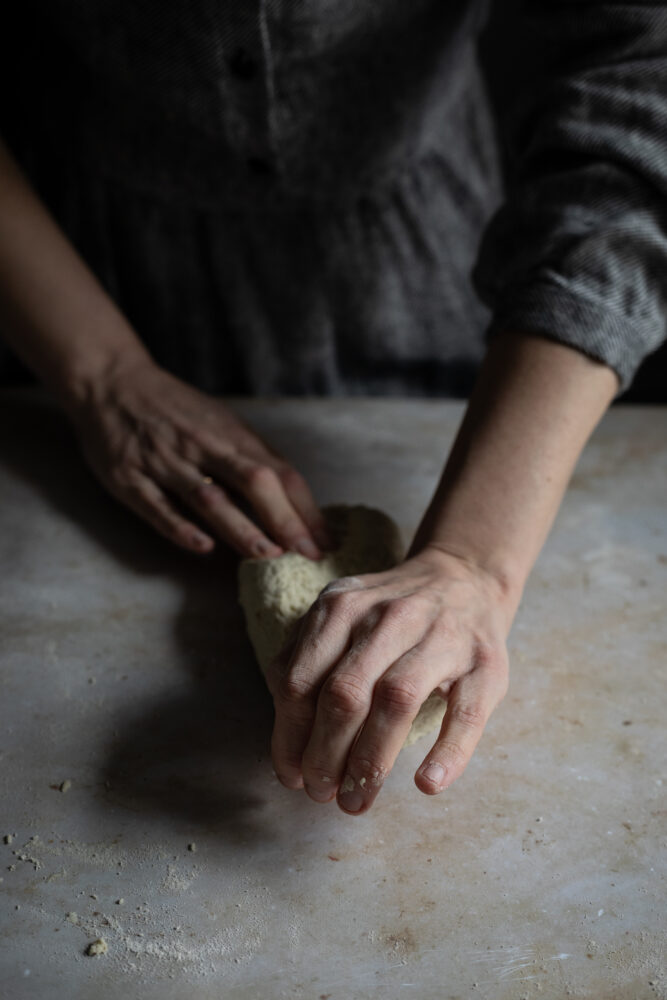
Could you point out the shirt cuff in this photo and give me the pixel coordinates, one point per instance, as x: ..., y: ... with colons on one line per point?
x: 555, y: 311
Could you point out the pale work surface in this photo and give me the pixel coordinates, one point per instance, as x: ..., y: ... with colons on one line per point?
x: 125, y: 671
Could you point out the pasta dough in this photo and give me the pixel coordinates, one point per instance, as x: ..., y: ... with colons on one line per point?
x: 275, y: 593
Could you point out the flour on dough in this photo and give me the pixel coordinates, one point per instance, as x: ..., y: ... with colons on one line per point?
x: 275, y: 593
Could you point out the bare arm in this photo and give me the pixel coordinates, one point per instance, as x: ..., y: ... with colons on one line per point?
x: 534, y: 407
x: 367, y: 657
x: 158, y: 445
x: 53, y: 312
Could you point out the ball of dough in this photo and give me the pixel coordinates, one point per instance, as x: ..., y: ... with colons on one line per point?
x: 275, y: 593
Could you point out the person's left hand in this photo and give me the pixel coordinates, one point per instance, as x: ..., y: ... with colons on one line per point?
x: 367, y: 655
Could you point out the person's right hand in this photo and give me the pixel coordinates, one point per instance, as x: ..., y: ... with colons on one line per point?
x: 179, y: 458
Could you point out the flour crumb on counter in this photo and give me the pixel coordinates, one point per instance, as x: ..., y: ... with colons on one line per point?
x: 22, y: 855
x: 8, y: 838
x: 72, y: 917
x: 65, y: 785
x: 97, y: 947
x: 192, y: 847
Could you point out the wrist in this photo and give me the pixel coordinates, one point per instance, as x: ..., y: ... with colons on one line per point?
x: 503, y: 582
x: 87, y: 376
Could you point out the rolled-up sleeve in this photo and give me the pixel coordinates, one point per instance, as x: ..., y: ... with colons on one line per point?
x: 578, y: 250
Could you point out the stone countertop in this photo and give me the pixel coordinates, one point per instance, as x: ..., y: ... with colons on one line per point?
x: 124, y: 669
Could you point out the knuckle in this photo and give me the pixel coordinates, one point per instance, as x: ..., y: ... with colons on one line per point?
x: 338, y: 603
x: 136, y: 493
x: 344, y: 697
x: 452, y: 752
x: 399, y: 612
x: 250, y: 541
x: 398, y: 696
x: 503, y: 686
x: 448, y: 626
x: 259, y: 478
x: 291, y: 689
x: 291, y: 479
x: 369, y: 773
x: 469, y: 716
x: 199, y: 439
x: 208, y: 495
x: 488, y: 656
x: 120, y: 477
x: 190, y: 449
x: 493, y: 660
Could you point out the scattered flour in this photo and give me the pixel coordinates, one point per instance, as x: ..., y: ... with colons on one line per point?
x: 178, y: 881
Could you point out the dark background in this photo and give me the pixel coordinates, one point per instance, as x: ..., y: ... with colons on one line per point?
x: 505, y: 54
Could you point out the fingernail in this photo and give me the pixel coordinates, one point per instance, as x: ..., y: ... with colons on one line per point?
x: 201, y: 542
x: 307, y: 548
x: 291, y: 783
x: 352, y: 801
x: 435, y: 773
x: 319, y: 794
x: 264, y: 549
x: 350, y: 798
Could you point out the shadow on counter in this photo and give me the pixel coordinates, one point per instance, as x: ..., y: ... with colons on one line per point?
x: 190, y: 757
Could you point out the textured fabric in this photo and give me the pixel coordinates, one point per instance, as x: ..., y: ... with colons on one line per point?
x: 579, y: 249
x: 289, y: 196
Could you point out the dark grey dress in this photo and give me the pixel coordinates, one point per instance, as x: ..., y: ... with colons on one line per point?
x: 294, y: 196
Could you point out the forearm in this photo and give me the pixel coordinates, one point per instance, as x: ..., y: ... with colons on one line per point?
x: 53, y: 312
x: 533, y: 408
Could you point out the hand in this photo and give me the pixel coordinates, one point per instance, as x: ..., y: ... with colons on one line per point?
x: 169, y: 452
x: 367, y: 655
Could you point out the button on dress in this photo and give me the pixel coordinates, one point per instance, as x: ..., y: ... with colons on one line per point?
x: 291, y: 197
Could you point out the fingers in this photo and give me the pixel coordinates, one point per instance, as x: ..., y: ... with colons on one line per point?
x: 295, y: 679
x: 229, y: 523
x: 146, y: 499
x: 290, y: 525
x: 286, y: 756
x: 354, y: 680
x: 211, y: 503
x: 344, y: 704
x: 397, y: 698
x: 471, y: 701
x: 302, y: 499
x: 278, y: 494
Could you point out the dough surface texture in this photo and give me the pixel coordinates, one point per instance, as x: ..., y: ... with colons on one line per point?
x: 275, y: 593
